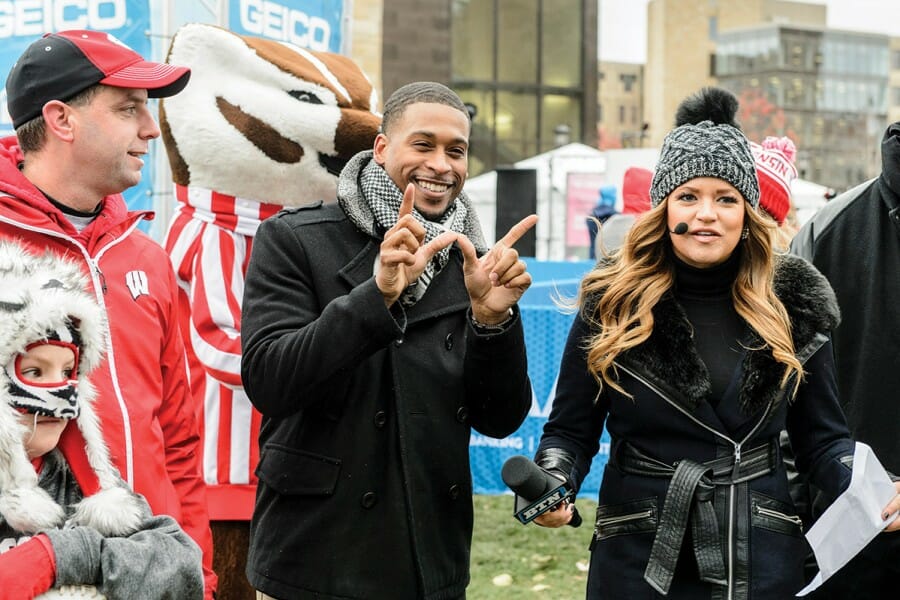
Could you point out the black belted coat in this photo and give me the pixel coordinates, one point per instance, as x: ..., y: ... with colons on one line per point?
x: 365, y: 490
x: 701, y: 490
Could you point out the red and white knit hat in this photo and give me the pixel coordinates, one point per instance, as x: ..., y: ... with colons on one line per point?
x: 40, y: 295
x: 775, y: 169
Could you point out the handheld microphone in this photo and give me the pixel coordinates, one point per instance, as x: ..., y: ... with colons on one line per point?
x: 680, y: 228
x: 537, y: 490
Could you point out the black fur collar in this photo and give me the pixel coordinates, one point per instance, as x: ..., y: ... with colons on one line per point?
x: 670, y: 359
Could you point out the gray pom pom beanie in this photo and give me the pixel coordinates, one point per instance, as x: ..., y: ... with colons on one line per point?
x: 705, y: 150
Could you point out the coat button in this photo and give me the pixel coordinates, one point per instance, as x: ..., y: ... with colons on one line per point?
x: 398, y: 342
x: 380, y: 419
x: 462, y: 414
x: 369, y: 499
x: 453, y: 492
x: 448, y: 341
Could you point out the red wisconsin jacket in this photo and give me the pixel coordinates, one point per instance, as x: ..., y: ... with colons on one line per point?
x: 144, y: 401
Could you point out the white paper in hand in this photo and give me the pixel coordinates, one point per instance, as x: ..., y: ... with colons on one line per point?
x: 854, y: 519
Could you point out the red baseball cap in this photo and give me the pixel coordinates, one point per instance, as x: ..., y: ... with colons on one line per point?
x: 61, y: 65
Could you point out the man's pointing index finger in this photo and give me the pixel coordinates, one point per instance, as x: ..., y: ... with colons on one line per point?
x: 518, y: 230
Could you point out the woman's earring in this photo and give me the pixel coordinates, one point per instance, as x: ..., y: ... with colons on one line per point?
x: 745, y: 233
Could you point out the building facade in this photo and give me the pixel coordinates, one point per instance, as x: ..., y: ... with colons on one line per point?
x: 833, y: 92
x: 826, y: 89
x: 681, y: 47
x: 527, y: 68
x: 620, y: 106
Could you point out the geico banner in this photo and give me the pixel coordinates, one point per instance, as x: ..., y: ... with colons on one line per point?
x: 313, y: 24
x: 24, y: 21
x: 546, y: 328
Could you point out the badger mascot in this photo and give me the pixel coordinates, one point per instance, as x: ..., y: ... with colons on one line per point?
x: 262, y: 125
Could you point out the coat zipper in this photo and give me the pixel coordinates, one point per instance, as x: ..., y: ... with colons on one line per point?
x: 607, y: 521
x: 777, y: 514
x: 644, y: 514
x: 737, y: 461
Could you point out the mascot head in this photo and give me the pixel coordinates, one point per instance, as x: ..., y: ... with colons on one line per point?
x: 264, y: 120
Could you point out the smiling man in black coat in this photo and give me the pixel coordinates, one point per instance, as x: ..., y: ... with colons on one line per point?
x: 375, y: 339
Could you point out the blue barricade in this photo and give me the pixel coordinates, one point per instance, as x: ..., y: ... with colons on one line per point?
x: 546, y: 328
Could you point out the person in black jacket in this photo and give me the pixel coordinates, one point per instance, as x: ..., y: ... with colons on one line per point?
x: 854, y: 241
x: 372, y: 346
x: 695, y: 346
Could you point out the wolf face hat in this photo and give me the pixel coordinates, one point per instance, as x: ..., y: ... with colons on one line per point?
x: 43, y: 299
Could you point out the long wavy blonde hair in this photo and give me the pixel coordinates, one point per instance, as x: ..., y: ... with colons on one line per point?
x: 642, y: 271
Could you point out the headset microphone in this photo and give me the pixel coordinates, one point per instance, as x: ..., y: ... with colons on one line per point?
x: 680, y: 228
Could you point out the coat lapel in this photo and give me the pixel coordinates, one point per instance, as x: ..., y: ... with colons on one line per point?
x: 361, y: 267
x: 670, y: 361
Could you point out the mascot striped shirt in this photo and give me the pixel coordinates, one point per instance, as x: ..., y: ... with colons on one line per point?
x: 209, y: 242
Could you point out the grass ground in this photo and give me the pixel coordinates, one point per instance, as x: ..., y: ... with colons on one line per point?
x: 511, y: 560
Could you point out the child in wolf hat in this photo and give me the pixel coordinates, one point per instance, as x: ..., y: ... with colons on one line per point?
x: 66, y: 517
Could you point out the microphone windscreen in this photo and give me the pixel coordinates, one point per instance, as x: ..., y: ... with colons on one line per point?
x: 524, y: 477
x: 680, y: 228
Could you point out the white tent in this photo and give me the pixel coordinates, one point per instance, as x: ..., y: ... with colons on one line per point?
x: 552, y: 170
x: 808, y: 197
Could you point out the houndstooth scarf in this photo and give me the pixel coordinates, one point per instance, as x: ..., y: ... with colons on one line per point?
x: 381, y: 200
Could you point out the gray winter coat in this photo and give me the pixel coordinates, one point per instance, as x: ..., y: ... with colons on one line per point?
x: 158, y: 561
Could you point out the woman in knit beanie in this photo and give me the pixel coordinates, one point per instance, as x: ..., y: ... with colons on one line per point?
x: 695, y: 345
x: 67, y: 519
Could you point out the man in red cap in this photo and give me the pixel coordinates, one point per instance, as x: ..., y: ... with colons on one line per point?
x: 79, y: 103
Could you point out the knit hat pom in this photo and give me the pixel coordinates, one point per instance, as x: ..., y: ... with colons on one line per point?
x: 775, y: 169
x: 709, y: 104
x: 706, y: 142
x: 30, y: 509
x: 783, y: 145
x: 113, y: 512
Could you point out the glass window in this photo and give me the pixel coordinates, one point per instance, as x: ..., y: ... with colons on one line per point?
x: 557, y: 110
x: 516, y: 125
x: 481, y: 140
x: 895, y: 59
x: 517, y: 30
x: 473, y: 35
x: 483, y: 101
x: 561, y: 43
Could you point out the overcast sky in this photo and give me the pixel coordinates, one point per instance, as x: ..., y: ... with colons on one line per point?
x: 623, y: 23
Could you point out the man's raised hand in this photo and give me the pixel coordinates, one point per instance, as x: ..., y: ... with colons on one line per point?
x: 498, y: 279
x: 403, y: 256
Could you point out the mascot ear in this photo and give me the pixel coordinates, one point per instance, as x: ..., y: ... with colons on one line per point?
x: 285, y: 114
